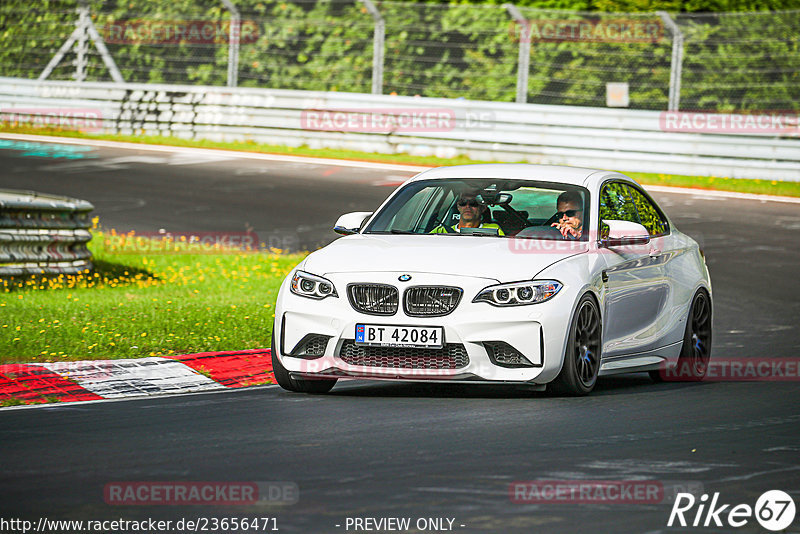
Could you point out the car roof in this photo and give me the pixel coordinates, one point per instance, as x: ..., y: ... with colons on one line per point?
x: 525, y: 171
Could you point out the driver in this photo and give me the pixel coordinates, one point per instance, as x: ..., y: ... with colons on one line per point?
x: 569, y: 214
x: 471, y: 212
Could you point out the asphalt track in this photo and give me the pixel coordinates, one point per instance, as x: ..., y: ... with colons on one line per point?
x: 390, y: 450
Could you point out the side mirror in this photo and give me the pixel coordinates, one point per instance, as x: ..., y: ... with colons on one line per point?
x: 350, y: 223
x: 623, y: 233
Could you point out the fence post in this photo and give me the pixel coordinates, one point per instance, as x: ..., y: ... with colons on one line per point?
x: 233, y: 43
x: 378, y: 39
x: 81, y: 49
x: 84, y: 26
x: 676, y: 66
x: 524, y: 60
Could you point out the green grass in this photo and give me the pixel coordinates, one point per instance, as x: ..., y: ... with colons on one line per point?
x: 738, y: 185
x: 136, y: 305
x: 764, y: 187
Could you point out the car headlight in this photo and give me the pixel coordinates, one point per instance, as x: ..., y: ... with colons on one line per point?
x: 312, y: 286
x: 519, y: 293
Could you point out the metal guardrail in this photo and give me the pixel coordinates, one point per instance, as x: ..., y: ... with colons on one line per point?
x: 43, y: 234
x: 628, y: 140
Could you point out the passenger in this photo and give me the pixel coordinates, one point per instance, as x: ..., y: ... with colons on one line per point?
x: 471, y: 212
x: 569, y: 214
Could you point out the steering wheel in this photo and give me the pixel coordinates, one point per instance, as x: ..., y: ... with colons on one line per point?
x: 551, y: 220
x: 546, y: 232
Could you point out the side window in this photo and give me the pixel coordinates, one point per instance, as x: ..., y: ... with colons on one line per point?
x: 616, y: 203
x: 648, y: 214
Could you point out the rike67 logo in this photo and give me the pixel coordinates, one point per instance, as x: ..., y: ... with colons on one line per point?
x: 774, y: 510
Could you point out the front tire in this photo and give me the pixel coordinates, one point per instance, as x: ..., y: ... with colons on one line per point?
x: 298, y: 385
x: 581, y: 366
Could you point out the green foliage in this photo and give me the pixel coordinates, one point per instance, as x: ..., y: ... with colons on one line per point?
x: 153, y: 302
x: 457, y: 51
x: 739, y: 61
x: 735, y: 62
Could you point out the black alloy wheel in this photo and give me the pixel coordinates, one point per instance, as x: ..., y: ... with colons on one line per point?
x: 582, y: 358
x: 696, y: 349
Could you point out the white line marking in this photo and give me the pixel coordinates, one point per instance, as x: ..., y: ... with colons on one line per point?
x: 750, y: 476
x: 80, y: 404
x: 207, y: 152
x: 699, y: 193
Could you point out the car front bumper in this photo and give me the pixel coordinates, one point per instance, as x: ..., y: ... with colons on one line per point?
x: 536, y: 331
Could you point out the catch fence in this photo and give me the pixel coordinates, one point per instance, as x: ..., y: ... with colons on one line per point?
x: 723, y: 62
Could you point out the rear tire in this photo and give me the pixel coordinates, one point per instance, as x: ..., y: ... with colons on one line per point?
x: 298, y: 385
x: 696, y: 348
x: 581, y: 366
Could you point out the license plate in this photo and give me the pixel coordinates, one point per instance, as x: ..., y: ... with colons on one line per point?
x: 381, y: 335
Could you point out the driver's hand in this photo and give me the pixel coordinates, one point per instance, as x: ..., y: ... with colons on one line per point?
x: 566, y: 230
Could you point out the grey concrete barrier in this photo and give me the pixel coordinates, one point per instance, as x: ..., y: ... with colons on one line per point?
x: 43, y: 234
x: 764, y: 145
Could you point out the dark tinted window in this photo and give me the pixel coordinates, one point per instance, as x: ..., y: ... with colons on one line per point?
x: 649, y: 216
x: 515, y: 207
x: 616, y: 203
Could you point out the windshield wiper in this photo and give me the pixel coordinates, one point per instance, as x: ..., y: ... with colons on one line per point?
x: 401, y: 231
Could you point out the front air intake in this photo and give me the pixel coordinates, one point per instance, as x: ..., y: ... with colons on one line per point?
x: 451, y: 356
x: 311, y: 346
x: 504, y: 355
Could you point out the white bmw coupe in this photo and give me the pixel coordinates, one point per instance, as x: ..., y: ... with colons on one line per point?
x: 504, y: 273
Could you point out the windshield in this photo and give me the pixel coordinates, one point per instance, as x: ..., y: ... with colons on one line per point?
x: 486, y: 207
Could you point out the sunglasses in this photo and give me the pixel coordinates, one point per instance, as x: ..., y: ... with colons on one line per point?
x: 473, y: 203
x: 568, y: 213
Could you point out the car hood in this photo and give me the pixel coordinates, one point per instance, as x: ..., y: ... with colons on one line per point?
x: 501, y: 259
